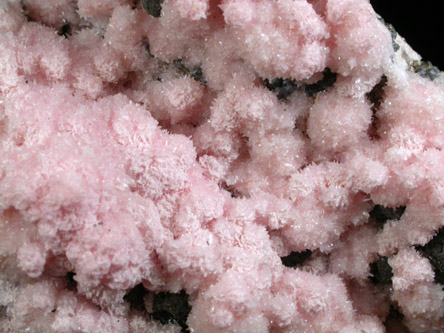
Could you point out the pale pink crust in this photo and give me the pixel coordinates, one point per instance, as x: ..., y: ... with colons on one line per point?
x: 360, y: 45
x: 8, y: 63
x: 53, y: 13
x: 99, y: 9
x: 53, y: 62
x: 11, y: 17
x: 270, y: 43
x: 31, y: 259
x: 141, y: 150
x: 337, y: 123
x: 188, y: 20
x: 418, y: 225
x: 357, y: 250
x: 126, y: 28
x: 329, y: 201
x: 418, y: 297
x: 138, y: 323
x: 369, y: 299
x: 175, y: 101
x: 412, y: 108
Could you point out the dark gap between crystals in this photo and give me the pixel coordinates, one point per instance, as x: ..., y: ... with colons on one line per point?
x: 169, y: 307
x: 135, y: 298
x: 65, y: 30
x: 381, y: 272
x: 393, y: 322
x: 71, y: 284
x: 381, y: 214
x: 152, y: 7
x: 25, y: 13
x: 147, y: 48
x: 326, y: 82
x: 3, y: 310
x: 233, y: 192
x: 295, y: 259
x: 375, y: 97
x: 434, y: 251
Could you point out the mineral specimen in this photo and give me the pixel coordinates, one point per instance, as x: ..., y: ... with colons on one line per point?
x: 217, y: 166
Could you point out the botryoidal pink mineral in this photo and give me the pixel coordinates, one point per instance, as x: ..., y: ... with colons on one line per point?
x: 217, y: 166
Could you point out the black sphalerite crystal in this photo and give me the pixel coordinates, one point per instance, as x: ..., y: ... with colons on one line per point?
x: 394, y: 34
x: 281, y: 87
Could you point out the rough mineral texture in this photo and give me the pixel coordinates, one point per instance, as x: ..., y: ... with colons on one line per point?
x: 217, y: 166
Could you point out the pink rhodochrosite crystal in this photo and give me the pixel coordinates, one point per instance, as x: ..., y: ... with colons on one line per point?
x: 217, y: 166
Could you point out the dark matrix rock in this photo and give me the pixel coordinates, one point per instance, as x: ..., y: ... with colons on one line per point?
x: 281, y: 87
x: 196, y: 72
x: 426, y: 69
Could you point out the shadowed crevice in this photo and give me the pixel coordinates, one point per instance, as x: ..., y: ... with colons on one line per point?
x: 296, y: 259
x: 381, y: 272
x: 169, y: 307
x: 135, y: 298
x: 152, y: 7
x: 324, y: 84
x: 381, y: 214
x: 375, y: 98
x: 71, y: 284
